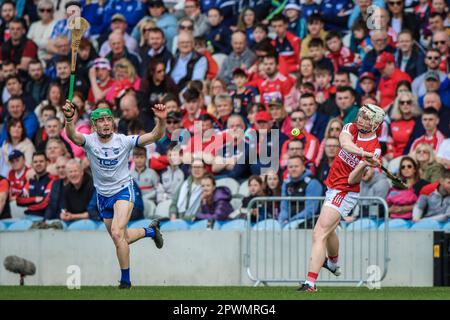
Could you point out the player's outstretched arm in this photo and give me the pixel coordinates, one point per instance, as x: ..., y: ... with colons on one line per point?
x: 160, y: 128
x: 356, y: 175
x: 69, y: 113
x: 348, y: 145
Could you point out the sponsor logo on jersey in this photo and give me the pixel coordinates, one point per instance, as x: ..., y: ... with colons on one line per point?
x: 107, y: 163
x: 349, y: 158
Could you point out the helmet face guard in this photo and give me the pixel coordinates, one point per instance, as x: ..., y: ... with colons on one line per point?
x: 375, y: 115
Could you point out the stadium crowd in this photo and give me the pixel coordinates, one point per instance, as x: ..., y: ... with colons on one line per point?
x: 228, y: 72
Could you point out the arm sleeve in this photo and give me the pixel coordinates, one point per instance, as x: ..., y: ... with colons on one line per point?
x: 284, y: 214
x: 200, y: 69
x: 419, y: 207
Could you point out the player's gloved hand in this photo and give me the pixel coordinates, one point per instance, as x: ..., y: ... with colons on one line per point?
x: 69, y: 111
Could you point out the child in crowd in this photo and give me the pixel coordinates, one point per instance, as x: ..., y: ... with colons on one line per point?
x: 324, y: 88
x: 146, y: 178
x: 172, y: 178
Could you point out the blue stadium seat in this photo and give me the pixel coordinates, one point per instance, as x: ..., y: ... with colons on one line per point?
x: 10, y: 221
x: 101, y: 227
x: 175, y: 225
x: 84, y: 225
x: 362, y: 224
x: 268, y: 224
x: 293, y: 224
x: 427, y: 224
x: 199, y: 225
x: 447, y: 226
x: 2, y: 226
x: 64, y: 224
x: 33, y: 218
x: 21, y: 225
x: 397, y: 224
x: 238, y: 224
x: 218, y: 225
x: 143, y: 223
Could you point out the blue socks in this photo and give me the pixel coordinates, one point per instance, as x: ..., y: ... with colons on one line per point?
x: 125, y: 275
x: 149, y: 232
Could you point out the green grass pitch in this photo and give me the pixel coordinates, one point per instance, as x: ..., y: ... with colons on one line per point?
x: 222, y: 293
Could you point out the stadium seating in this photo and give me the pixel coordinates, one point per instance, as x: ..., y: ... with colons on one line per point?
x: 232, y: 184
x: 362, y: 224
x: 397, y: 224
x: 447, y: 226
x: 2, y: 226
x: 8, y: 222
x: 238, y: 224
x: 143, y: 223
x: 33, y: 218
x: 199, y: 225
x: 64, y: 224
x: 426, y: 224
x: 236, y: 203
x: 293, y: 225
x: 162, y: 209
x: 101, y: 227
x: 243, y: 189
x: 20, y: 225
x: 175, y: 225
x: 82, y: 225
x: 268, y: 224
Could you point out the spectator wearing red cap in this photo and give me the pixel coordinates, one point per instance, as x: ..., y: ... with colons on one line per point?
x: 275, y: 84
x: 367, y: 84
x: 390, y: 76
x: 286, y: 44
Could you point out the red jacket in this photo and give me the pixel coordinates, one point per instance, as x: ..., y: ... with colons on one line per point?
x: 387, y: 87
x: 288, y: 53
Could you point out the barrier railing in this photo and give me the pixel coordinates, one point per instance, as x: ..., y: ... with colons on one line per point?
x: 278, y: 253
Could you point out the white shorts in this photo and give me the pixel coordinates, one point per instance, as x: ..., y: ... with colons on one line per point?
x: 342, y: 201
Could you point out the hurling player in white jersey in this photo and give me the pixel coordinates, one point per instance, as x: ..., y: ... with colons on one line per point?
x: 108, y: 155
x: 359, y: 150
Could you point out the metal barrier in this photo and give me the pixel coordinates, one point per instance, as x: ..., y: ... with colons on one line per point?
x: 280, y: 254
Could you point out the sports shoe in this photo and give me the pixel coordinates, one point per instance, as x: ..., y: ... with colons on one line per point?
x: 307, y: 288
x: 337, y: 272
x: 159, y: 241
x: 124, y: 285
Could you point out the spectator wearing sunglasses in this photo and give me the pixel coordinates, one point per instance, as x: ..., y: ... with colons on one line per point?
x: 400, y: 20
x: 40, y: 31
x: 441, y: 42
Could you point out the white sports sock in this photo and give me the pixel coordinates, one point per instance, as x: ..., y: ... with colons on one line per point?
x: 331, y: 264
x: 310, y: 283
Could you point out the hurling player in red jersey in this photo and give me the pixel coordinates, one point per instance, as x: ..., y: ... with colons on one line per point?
x: 359, y: 149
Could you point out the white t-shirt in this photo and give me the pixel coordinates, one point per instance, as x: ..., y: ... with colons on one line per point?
x: 444, y: 150
x: 109, y: 162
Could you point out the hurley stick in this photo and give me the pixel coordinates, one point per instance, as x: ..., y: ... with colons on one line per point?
x: 77, y: 25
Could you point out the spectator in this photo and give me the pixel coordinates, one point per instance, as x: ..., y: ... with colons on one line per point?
x: 333, y: 130
x: 346, y: 103
x: 125, y: 78
x: 41, y: 31
x: 272, y: 183
x: 193, y: 109
x: 342, y: 57
x: 119, y: 50
x: 367, y: 84
x: 8, y: 12
x: 373, y: 184
x: 63, y: 78
x: 8, y: 68
x: 219, y: 34
x: 380, y: 43
x: 131, y: 113
x: 401, y: 20
x: 16, y: 140
x: 430, y: 121
x: 436, y: 205
x: 331, y: 150
x: 17, y: 174
x: 53, y: 130
x: 201, y: 47
x: 404, y: 114
x: 14, y: 87
x: 441, y: 41
x: 157, y: 83
x: 286, y: 45
x: 38, y: 84
x: 315, y: 31
x: 133, y: 11
x: 317, y: 52
x: 56, y: 202
x: 276, y: 85
x: 260, y: 36
x: 188, y: 64
x: 244, y: 95
x: 432, y: 61
x: 230, y: 160
x: 432, y: 84
x: 297, y: 24
x: 173, y: 124
x: 18, y: 49
x: 100, y: 80
x: 316, y: 121
x: 299, y: 184
x: 224, y: 107
x: 54, y: 149
x: 146, y: 178
x: 187, y: 200
x: 118, y: 25
x: 155, y: 49
x: 425, y: 157
x: 185, y: 24
x: 241, y: 57
x: 390, y: 76
x: 255, y: 189
x: 77, y: 193
x: 215, y: 203
x: 164, y: 21
x: 279, y: 115
x: 36, y: 194
x: 336, y: 13
x: 192, y: 10
x: 247, y: 22
x: 63, y: 50
x: 5, y: 211
x: 94, y: 13
x: 409, y: 56
x: 443, y: 154
x: 307, y: 67
x: 172, y: 177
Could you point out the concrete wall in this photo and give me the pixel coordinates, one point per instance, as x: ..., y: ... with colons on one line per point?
x: 201, y: 257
